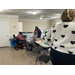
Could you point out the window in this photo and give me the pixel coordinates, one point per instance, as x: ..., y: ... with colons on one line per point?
x: 20, y: 25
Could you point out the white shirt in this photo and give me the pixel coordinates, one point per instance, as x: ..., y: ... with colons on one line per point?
x: 62, y: 37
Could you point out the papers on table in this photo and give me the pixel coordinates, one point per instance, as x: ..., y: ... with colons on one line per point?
x: 38, y: 41
x: 42, y: 43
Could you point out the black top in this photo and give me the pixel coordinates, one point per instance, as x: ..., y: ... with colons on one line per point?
x: 66, y: 21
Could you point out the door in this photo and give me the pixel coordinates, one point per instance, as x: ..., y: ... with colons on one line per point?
x: 4, y: 33
x: 20, y: 25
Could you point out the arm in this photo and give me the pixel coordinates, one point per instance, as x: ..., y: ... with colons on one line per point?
x: 39, y: 39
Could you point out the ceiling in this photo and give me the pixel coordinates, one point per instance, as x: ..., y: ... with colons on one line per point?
x: 46, y: 14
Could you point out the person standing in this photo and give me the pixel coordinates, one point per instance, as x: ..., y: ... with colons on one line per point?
x: 38, y: 31
x: 62, y: 40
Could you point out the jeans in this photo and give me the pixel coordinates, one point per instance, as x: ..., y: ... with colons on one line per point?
x: 59, y: 58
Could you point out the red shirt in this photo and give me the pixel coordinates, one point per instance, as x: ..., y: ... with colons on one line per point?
x: 20, y: 37
x: 36, y: 31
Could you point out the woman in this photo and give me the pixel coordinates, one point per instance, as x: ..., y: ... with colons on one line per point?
x: 62, y: 40
x: 20, y: 37
x: 34, y: 39
x: 32, y: 43
x: 38, y: 31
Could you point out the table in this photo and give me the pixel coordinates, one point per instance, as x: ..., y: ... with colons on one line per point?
x: 29, y: 35
x: 41, y: 43
x: 46, y: 47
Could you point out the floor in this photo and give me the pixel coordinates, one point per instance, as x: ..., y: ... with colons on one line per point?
x: 10, y: 56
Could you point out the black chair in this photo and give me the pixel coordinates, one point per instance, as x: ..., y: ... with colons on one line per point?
x: 30, y: 48
x: 42, y: 58
x: 14, y: 36
x: 16, y: 39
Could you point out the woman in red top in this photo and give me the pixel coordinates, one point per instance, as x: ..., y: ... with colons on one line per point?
x: 38, y: 31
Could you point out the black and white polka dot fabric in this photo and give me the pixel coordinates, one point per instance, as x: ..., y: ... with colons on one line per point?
x: 62, y: 37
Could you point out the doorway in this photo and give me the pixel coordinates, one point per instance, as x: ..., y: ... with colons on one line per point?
x: 4, y: 33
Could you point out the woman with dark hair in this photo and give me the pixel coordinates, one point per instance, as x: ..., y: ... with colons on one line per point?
x: 62, y: 40
x: 38, y: 31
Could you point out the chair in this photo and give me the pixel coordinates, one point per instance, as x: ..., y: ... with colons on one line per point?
x: 30, y: 47
x: 42, y: 58
x: 46, y: 51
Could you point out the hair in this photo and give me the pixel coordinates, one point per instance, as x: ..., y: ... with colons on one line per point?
x: 36, y: 27
x: 67, y: 15
x: 20, y: 33
x: 35, y: 33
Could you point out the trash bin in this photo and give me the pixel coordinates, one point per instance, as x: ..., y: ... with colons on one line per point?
x: 10, y: 43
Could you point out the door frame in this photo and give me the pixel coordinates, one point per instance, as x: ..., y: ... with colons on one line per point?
x: 8, y: 28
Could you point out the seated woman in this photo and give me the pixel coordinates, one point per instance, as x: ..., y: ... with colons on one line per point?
x: 20, y: 37
x: 34, y: 38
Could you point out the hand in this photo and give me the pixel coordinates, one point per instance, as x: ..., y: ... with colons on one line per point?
x: 42, y: 39
x: 39, y: 40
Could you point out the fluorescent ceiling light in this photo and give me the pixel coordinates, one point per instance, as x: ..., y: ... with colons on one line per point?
x: 34, y: 12
x: 1, y: 9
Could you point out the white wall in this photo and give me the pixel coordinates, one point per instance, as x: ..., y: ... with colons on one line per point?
x: 29, y: 26
x: 54, y: 21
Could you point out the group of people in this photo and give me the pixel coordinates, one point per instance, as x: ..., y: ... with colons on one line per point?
x: 37, y: 34
x: 61, y: 38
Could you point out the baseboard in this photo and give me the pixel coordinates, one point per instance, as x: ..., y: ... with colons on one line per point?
x: 4, y: 47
